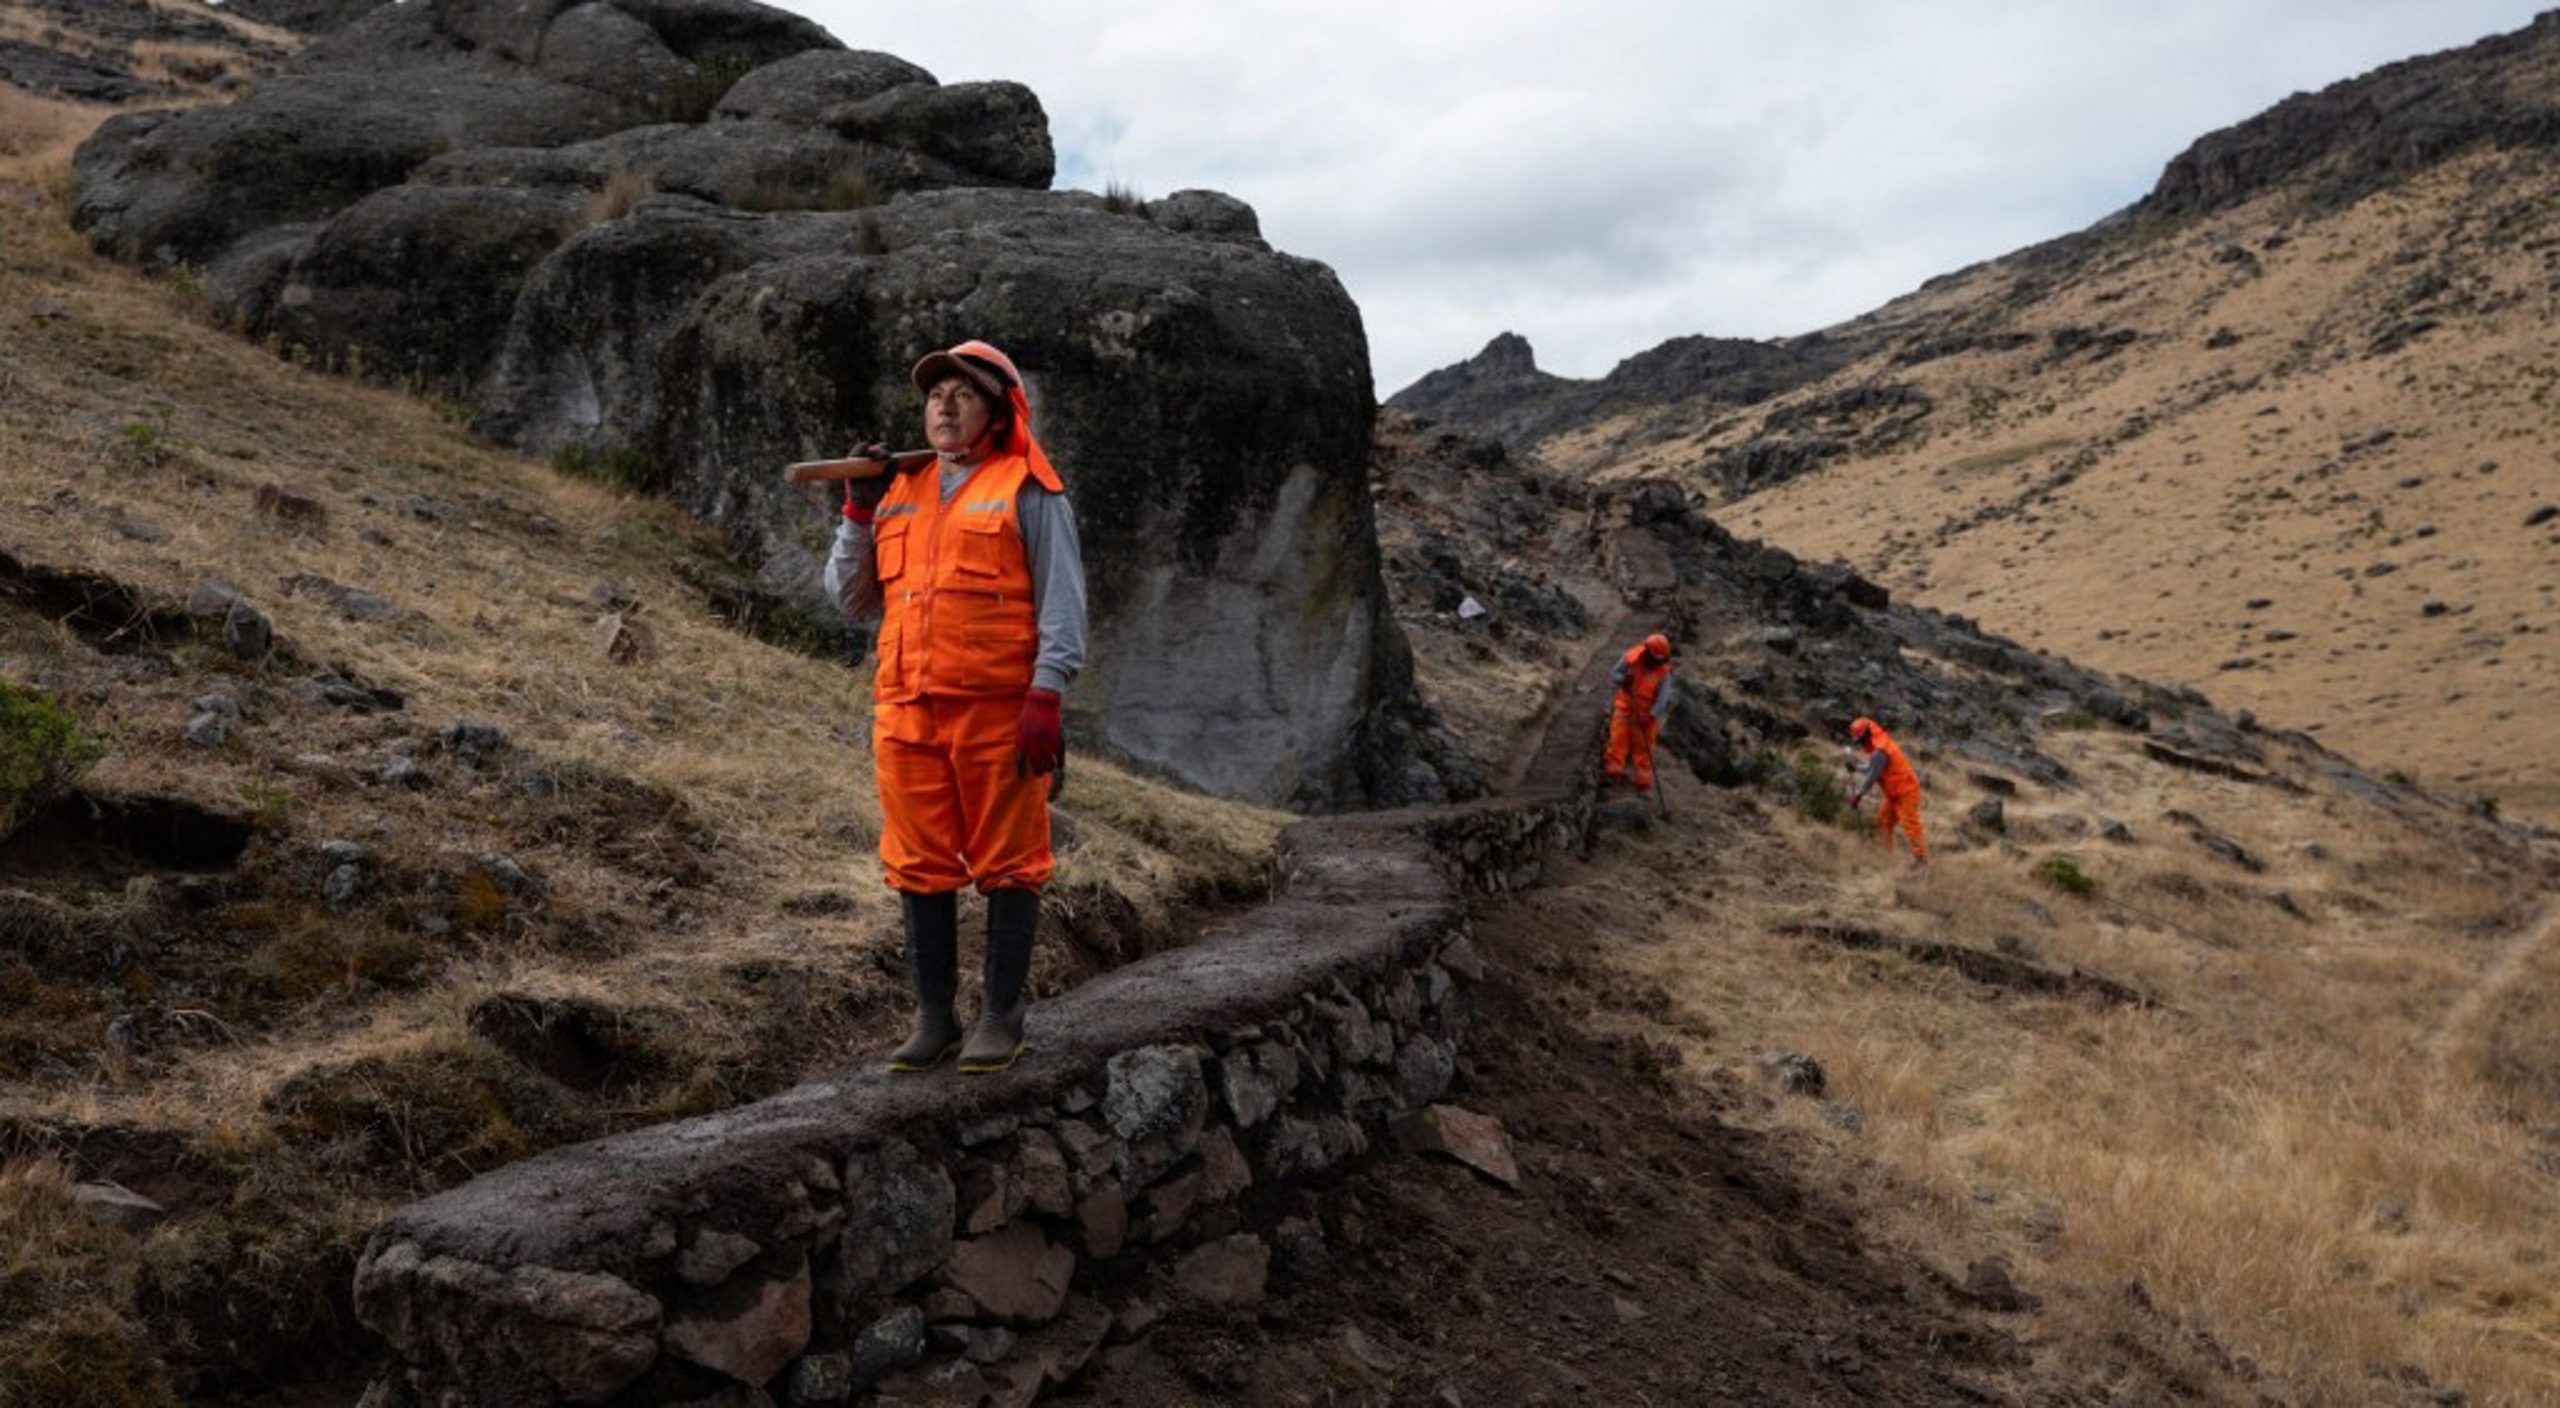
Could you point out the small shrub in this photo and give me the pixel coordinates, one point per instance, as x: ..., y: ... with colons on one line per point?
x: 624, y: 469
x: 867, y: 237
x: 42, y: 753
x: 187, y: 282
x: 2064, y: 874
x: 388, y: 959
x: 623, y: 188
x: 692, y: 97
x: 1810, y: 783
x: 479, y: 906
x: 851, y: 188
x: 143, y: 444
x: 2077, y: 718
x: 270, y: 808
x: 2398, y: 778
x: 1124, y: 200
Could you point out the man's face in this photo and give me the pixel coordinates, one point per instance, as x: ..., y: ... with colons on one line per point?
x: 955, y: 414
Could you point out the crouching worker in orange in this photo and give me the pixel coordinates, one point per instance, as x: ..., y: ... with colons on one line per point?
x: 1888, y: 769
x: 974, y: 567
x: 1637, y: 705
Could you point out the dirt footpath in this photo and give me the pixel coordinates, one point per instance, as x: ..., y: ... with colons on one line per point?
x: 1652, y: 1254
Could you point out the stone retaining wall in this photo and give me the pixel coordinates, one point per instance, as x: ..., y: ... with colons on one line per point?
x: 934, y: 1238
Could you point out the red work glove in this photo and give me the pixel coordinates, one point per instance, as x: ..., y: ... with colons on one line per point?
x: 1039, y: 740
x: 862, y: 496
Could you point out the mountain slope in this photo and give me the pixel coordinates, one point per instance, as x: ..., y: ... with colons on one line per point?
x: 2283, y: 430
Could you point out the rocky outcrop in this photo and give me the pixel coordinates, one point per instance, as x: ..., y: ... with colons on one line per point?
x: 2360, y: 134
x: 698, y: 239
x: 305, y: 16
x: 1501, y: 395
x: 935, y: 1238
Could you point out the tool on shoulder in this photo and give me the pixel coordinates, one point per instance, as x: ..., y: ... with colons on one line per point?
x: 857, y: 467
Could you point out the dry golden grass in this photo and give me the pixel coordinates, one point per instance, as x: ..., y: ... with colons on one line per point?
x: 2511, y: 1040
x: 133, y: 442
x: 623, y: 188
x: 192, y: 67
x: 37, y: 136
x: 61, y: 1277
x: 2271, y: 1152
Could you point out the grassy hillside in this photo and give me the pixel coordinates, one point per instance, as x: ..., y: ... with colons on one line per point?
x: 358, y: 947
x: 2285, y: 433
x: 2304, y: 484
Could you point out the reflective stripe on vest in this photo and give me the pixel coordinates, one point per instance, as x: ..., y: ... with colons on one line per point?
x: 956, y: 616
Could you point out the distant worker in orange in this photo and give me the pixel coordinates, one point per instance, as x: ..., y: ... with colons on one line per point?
x: 979, y: 580
x: 1638, y: 703
x: 1888, y: 769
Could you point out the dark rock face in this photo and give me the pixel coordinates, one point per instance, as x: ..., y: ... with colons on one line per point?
x: 2360, y: 134
x: 1862, y: 419
x: 42, y: 70
x: 704, y: 239
x: 1501, y: 395
x: 305, y: 16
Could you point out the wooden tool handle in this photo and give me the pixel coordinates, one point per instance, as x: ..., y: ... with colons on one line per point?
x: 826, y: 471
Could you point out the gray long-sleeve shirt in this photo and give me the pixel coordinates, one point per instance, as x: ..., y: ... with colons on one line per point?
x: 1057, y: 574
x: 1618, y: 676
x: 1873, y: 777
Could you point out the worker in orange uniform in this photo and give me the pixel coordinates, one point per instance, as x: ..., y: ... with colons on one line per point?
x: 1638, y: 703
x: 975, y: 569
x: 1888, y: 769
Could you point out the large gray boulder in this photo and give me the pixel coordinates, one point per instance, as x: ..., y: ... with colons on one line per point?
x: 696, y: 239
x: 1208, y: 400
x: 364, y: 108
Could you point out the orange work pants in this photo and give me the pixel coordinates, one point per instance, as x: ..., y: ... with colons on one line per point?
x: 1630, y: 755
x: 1902, y: 809
x: 952, y: 812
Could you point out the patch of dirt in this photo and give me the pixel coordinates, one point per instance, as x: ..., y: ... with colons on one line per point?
x: 1642, y: 1217
x: 1992, y: 970
x: 109, y: 835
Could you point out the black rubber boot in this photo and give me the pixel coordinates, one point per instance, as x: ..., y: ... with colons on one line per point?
x: 1013, y: 916
x: 933, y: 951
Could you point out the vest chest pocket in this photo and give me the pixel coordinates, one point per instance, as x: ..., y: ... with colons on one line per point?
x: 982, y: 544
x: 889, y: 549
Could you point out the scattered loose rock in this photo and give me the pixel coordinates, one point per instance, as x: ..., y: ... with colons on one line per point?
x: 1229, y: 1271
x: 626, y: 639
x: 1478, y: 1141
x: 115, y: 1205
x: 1794, y: 1072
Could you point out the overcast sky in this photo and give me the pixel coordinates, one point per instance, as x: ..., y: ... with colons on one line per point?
x: 1602, y: 175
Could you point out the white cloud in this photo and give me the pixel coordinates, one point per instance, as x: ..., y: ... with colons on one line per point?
x: 1602, y: 176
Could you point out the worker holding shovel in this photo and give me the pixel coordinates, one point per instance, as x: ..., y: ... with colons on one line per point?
x: 1640, y: 697
x: 970, y: 557
x: 1888, y: 769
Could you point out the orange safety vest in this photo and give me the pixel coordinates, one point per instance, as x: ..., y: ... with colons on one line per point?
x: 1899, y: 779
x: 1644, y: 679
x: 956, y: 616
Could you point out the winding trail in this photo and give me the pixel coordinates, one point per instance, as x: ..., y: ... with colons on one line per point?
x: 2494, y: 981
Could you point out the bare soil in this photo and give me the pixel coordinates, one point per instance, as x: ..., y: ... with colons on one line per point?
x: 1657, y: 1250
